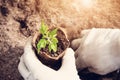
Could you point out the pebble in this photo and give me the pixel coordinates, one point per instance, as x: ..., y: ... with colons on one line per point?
x: 56, y: 55
x: 52, y: 55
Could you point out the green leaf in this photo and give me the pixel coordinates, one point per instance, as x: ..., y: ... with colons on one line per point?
x: 41, y: 44
x: 44, y: 28
x: 47, y: 42
x: 53, y: 33
x: 49, y: 47
x: 53, y: 47
x: 54, y: 40
x: 48, y: 38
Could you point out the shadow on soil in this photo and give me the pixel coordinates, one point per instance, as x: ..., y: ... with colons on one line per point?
x: 9, y: 59
x: 86, y: 75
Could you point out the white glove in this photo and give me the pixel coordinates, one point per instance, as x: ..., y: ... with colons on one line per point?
x: 32, y: 69
x: 98, y: 50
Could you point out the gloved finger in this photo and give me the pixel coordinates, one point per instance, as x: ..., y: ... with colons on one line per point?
x: 80, y: 64
x: 32, y: 62
x: 22, y: 69
x: 68, y: 62
x: 77, y: 52
x: 85, y: 32
x: 75, y: 43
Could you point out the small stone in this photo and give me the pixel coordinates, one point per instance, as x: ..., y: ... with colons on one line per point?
x: 56, y: 55
x: 52, y: 55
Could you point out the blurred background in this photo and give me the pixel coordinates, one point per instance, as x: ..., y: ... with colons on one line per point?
x: 19, y: 19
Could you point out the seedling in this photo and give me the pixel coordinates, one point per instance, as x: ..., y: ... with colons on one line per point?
x: 48, y: 40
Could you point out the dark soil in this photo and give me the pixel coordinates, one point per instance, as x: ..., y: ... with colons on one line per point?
x: 9, y: 60
x: 86, y: 75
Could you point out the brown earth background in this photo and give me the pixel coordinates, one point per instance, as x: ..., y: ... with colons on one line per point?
x: 19, y: 19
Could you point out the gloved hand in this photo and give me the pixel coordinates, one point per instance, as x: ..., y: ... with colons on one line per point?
x: 32, y: 69
x: 98, y: 50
